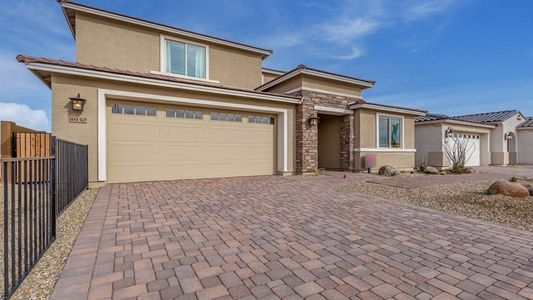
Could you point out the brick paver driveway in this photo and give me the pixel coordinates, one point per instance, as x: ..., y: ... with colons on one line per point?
x: 286, y: 237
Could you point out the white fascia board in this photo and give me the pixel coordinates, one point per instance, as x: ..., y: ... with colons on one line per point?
x: 390, y: 109
x: 333, y: 110
x: 156, y: 82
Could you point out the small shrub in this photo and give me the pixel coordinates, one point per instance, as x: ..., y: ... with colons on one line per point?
x: 459, y: 169
x: 513, y: 179
x: 490, y: 192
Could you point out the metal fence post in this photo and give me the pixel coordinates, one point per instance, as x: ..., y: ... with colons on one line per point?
x: 53, y: 185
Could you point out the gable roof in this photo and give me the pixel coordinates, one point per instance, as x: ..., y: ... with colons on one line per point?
x: 386, y: 107
x: 528, y: 123
x: 489, y: 117
x: 69, y: 9
x: 40, y: 64
x: 303, y: 69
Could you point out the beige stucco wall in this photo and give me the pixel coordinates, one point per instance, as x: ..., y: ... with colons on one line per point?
x: 366, y: 138
x: 267, y: 77
x: 525, y: 146
x: 331, y: 86
x: 404, y: 161
x: 366, y: 131
x: 116, y: 44
x: 287, y: 86
x: 65, y: 87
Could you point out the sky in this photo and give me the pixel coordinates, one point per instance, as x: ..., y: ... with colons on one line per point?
x: 447, y: 56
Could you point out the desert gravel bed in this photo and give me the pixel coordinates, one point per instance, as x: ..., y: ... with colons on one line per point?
x: 464, y: 199
x: 40, y: 282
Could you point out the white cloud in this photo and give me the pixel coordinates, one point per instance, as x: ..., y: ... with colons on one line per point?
x: 25, y: 116
x: 426, y: 8
x: 356, y: 52
x: 349, y: 29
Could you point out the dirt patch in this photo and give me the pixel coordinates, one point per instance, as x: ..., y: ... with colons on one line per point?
x: 465, y: 199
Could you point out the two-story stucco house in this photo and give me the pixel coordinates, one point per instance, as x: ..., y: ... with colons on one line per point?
x: 492, y: 138
x: 167, y: 103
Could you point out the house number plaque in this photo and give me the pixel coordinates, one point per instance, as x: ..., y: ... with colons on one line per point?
x: 79, y: 120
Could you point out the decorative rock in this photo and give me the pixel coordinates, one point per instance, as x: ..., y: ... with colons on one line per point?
x: 470, y: 171
x: 431, y: 170
x: 507, y: 188
x: 530, y: 189
x: 388, y: 171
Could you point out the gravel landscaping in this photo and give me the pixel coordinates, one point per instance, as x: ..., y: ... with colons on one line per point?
x: 465, y: 199
x: 40, y: 282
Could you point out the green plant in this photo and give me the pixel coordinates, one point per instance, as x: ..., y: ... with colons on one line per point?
x: 513, y: 179
x: 490, y: 192
x: 458, y: 169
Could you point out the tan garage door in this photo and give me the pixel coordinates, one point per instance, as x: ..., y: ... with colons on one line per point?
x: 147, y: 142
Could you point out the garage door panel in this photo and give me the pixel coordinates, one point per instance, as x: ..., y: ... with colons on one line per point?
x: 185, y: 152
x: 148, y: 148
x: 130, y: 152
x: 183, y: 133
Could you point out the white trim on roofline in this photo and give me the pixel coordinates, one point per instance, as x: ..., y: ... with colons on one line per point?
x: 283, y: 150
x: 269, y: 71
x: 390, y: 109
x: 303, y: 88
x: 317, y: 74
x: 157, y: 82
x: 457, y: 122
x: 333, y: 110
x: 389, y: 150
x: 164, y: 28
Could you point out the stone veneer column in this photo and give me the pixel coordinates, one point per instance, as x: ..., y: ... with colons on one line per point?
x: 347, y: 143
x: 307, y: 136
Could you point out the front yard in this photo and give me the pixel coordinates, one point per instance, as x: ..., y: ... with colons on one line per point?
x: 468, y: 199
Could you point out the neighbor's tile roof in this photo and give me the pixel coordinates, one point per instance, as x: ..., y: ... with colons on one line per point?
x: 437, y: 117
x: 490, y: 117
x: 30, y: 59
x: 527, y: 124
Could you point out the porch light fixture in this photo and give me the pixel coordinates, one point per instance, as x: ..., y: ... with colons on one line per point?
x: 313, y: 120
x: 77, y: 103
x: 448, y: 132
x: 508, y: 136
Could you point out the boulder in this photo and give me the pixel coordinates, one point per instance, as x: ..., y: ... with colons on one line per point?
x: 529, y: 187
x: 431, y: 170
x: 388, y: 171
x: 507, y: 188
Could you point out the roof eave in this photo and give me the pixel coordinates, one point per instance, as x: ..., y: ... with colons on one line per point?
x: 400, y: 110
x: 458, y: 122
x: 302, y: 70
x: 37, y: 68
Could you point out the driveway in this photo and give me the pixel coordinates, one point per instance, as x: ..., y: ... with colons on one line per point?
x: 286, y: 237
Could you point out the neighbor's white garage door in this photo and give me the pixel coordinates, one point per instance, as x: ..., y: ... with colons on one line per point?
x: 147, y: 142
x: 473, y: 146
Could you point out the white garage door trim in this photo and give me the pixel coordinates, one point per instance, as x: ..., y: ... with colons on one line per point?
x: 133, y: 96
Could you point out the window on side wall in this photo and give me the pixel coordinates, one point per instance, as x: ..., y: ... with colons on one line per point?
x: 185, y: 59
x: 390, y: 132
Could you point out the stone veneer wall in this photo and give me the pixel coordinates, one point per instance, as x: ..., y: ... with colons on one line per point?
x: 307, y: 136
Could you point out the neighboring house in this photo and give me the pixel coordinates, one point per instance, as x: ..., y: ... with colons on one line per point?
x: 491, y: 138
x: 525, y: 142
x: 167, y: 103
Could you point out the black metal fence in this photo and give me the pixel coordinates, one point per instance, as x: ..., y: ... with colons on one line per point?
x: 72, y: 173
x: 31, y: 205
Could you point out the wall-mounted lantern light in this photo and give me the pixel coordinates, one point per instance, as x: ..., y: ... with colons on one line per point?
x: 508, y: 136
x: 77, y: 103
x: 448, y: 132
x: 313, y: 120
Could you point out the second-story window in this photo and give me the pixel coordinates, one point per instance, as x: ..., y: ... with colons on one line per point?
x: 185, y: 59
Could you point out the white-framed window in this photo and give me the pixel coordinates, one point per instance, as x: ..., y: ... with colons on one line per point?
x: 260, y: 119
x: 390, y: 131
x: 184, y: 114
x: 184, y: 58
x: 219, y: 116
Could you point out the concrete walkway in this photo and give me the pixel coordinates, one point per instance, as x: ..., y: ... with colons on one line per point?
x: 286, y: 237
